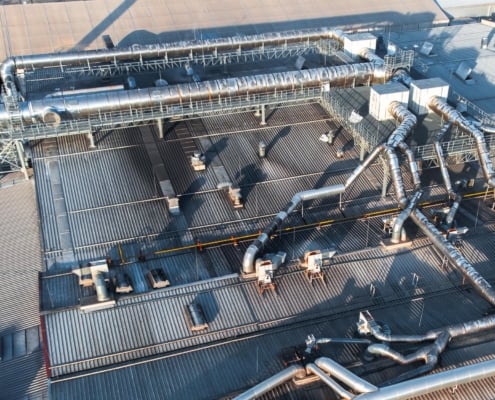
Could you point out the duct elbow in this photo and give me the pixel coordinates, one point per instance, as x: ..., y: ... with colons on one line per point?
x: 249, y: 258
x: 7, y: 70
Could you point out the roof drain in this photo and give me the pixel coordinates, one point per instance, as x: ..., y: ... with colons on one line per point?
x: 272, y: 382
x: 443, y: 109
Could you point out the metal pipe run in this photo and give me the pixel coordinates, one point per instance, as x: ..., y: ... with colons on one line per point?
x: 396, y: 175
x: 432, y: 383
x: 480, y: 284
x: 401, y: 218
x: 258, y: 245
x: 341, y: 392
x: 272, y: 382
x: 441, y: 159
x: 443, y: 109
x: 413, y: 166
x: 53, y: 110
x: 344, y: 375
x: 407, y: 122
x: 186, y: 49
x: 366, y: 163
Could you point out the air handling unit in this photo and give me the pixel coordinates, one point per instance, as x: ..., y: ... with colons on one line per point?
x: 353, y: 44
x: 382, y: 95
x: 423, y: 90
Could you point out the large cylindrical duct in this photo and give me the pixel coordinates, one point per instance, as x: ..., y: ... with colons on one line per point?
x: 441, y: 159
x: 407, y: 122
x: 413, y: 165
x: 366, y: 163
x: 83, y: 105
x: 184, y: 49
x: 440, y: 106
x: 432, y: 383
x: 480, y: 284
x: 272, y: 382
x: 341, y: 392
x: 257, y: 246
x: 343, y: 375
x: 401, y: 218
x: 396, y: 175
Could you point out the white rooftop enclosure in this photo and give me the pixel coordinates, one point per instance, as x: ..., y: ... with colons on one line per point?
x: 421, y: 92
x: 382, y: 95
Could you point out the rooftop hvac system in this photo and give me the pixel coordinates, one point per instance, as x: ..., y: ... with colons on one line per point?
x: 422, y: 91
x: 463, y: 71
x: 382, y: 95
x: 196, y: 318
x: 354, y: 44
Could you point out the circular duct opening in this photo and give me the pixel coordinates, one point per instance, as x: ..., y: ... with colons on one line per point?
x: 51, y: 118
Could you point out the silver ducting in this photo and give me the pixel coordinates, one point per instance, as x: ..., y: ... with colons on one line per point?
x: 257, y: 246
x: 272, y: 382
x: 184, y: 49
x: 83, y: 105
x: 344, y: 375
x: 403, y: 77
x: 407, y: 122
x: 366, y: 163
x: 441, y: 159
x: 413, y: 166
x: 341, y: 392
x: 401, y: 218
x: 396, y: 175
x: 479, y: 283
x: 441, y: 107
x: 431, y: 383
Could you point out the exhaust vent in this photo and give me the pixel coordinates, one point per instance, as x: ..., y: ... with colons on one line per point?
x: 196, y: 318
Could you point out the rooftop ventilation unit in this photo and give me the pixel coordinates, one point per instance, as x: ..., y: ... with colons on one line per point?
x: 421, y: 92
x: 313, y: 262
x: 353, y: 44
x: 198, y: 161
x: 265, y: 269
x: 463, y: 71
x: 426, y: 49
x: 382, y: 95
x: 196, y: 318
x: 95, y: 274
x: 122, y: 283
x: 157, y: 278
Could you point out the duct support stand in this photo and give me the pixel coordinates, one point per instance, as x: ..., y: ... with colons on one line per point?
x: 387, y: 244
x: 306, y: 380
x: 263, y: 115
x: 91, y: 140
x: 386, y: 176
x: 159, y: 124
x: 20, y: 154
x: 362, y: 151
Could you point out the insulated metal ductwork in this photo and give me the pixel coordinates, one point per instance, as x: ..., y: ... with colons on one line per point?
x: 365, y: 164
x: 184, y: 95
x: 440, y: 107
x: 401, y: 218
x: 396, y: 175
x: 480, y: 284
x: 345, y: 376
x: 272, y: 382
x: 432, y: 383
x: 341, y: 392
x: 413, y: 165
x: 189, y: 49
x: 259, y: 244
x: 407, y: 122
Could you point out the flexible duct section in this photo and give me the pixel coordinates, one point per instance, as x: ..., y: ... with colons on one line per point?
x: 259, y: 244
x: 83, y: 105
x: 401, y: 218
x: 185, y: 49
x: 272, y: 382
x: 443, y: 109
x: 480, y: 284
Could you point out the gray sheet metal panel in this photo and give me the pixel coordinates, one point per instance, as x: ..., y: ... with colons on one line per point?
x: 46, y: 207
x: 59, y: 291
x: 121, y: 222
x: 96, y: 179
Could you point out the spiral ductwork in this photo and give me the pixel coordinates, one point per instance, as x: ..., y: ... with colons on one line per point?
x: 440, y: 107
